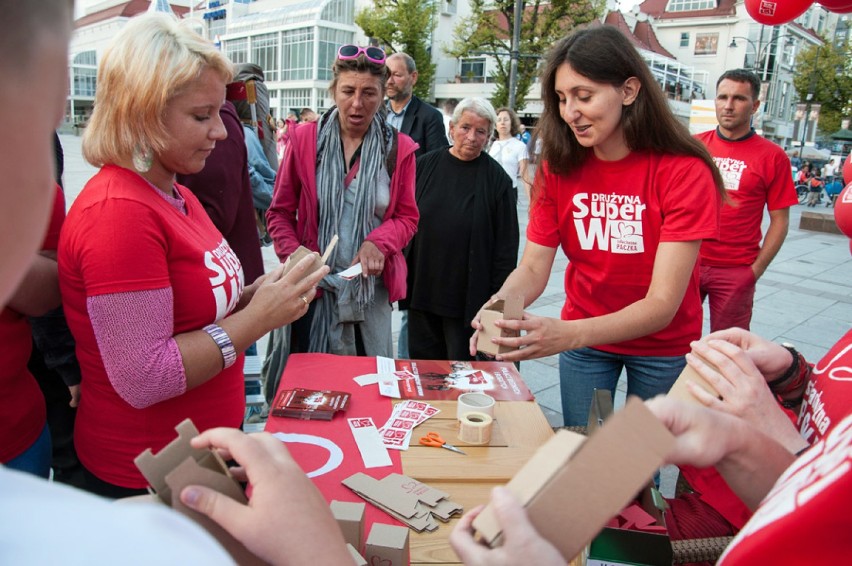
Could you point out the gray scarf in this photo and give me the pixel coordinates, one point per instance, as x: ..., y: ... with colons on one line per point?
x: 331, y: 172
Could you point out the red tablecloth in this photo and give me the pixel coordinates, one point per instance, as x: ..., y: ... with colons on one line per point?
x: 329, y: 372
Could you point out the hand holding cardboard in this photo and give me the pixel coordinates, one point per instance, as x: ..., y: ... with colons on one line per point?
x: 287, y: 515
x: 510, y: 308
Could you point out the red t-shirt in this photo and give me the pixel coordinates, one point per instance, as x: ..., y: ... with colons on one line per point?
x: 23, y: 412
x: 757, y: 174
x: 827, y: 399
x: 121, y: 236
x: 805, y: 518
x: 609, y: 217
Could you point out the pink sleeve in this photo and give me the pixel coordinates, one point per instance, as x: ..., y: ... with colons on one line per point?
x: 134, y: 331
x: 281, y: 218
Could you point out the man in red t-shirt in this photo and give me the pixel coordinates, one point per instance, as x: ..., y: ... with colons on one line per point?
x: 757, y: 175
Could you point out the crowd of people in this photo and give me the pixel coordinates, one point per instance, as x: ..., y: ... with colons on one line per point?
x: 162, y: 303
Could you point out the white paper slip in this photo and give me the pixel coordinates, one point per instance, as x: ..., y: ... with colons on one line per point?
x: 368, y: 378
x: 370, y: 445
x: 352, y: 272
x: 389, y: 386
x: 385, y: 365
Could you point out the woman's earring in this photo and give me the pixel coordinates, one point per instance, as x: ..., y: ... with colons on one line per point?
x: 143, y: 158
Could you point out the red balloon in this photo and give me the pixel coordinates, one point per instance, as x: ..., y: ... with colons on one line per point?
x: 847, y: 169
x: 776, y: 12
x: 843, y: 211
x: 837, y: 6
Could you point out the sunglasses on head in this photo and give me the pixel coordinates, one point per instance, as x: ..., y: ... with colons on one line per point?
x: 374, y: 55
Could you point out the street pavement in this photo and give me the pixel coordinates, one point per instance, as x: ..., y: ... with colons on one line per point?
x: 805, y: 296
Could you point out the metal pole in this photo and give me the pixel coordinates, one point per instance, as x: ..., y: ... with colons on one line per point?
x: 513, y: 64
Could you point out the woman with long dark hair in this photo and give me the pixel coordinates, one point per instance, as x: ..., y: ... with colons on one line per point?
x: 628, y: 195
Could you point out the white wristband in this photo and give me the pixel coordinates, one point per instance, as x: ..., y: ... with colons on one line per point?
x: 229, y: 354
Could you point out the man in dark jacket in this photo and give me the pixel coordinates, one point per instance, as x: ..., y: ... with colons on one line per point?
x: 421, y: 122
x: 407, y: 113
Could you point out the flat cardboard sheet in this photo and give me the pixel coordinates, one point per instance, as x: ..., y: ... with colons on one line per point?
x: 407, y: 500
x: 572, y: 488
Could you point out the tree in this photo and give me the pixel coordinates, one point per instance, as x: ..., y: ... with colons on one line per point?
x: 489, y: 30
x: 406, y: 26
x: 824, y: 71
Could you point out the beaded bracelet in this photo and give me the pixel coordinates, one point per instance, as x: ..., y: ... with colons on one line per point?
x: 793, y: 370
x: 229, y: 354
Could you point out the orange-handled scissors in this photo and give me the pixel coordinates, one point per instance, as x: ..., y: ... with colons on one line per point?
x: 434, y: 439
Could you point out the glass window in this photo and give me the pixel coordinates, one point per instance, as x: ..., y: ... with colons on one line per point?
x: 690, y: 5
x: 85, y: 81
x: 264, y: 52
x: 329, y: 41
x: 293, y: 100
x: 215, y: 29
x: 297, y: 58
x: 339, y: 11
x: 706, y: 43
x: 472, y: 70
x: 84, y: 72
x: 237, y: 50
x: 684, y: 39
x: 88, y: 58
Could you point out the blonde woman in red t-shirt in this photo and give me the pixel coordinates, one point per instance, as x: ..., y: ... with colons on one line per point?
x: 628, y: 195
x: 153, y: 293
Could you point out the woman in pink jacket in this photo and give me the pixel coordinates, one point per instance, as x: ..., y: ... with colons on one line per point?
x: 352, y: 175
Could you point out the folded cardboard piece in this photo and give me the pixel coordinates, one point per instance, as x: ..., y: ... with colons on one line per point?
x: 405, y: 499
x: 510, y: 308
x: 350, y: 519
x: 573, y: 485
x: 387, y: 545
x: 178, y: 465
x: 302, y: 251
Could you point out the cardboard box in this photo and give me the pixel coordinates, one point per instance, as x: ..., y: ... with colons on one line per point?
x: 178, y: 465
x: 387, y: 545
x: 350, y: 518
x: 510, y: 308
x: 572, y: 485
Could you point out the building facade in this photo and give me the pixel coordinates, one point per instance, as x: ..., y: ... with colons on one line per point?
x: 687, y: 44
x: 716, y: 35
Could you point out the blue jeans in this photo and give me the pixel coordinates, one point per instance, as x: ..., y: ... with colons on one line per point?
x: 35, y: 459
x: 586, y: 369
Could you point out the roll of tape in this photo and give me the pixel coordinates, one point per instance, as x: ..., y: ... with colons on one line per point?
x: 475, y: 428
x: 475, y: 402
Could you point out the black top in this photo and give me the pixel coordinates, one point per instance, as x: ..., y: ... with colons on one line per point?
x: 467, y: 239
